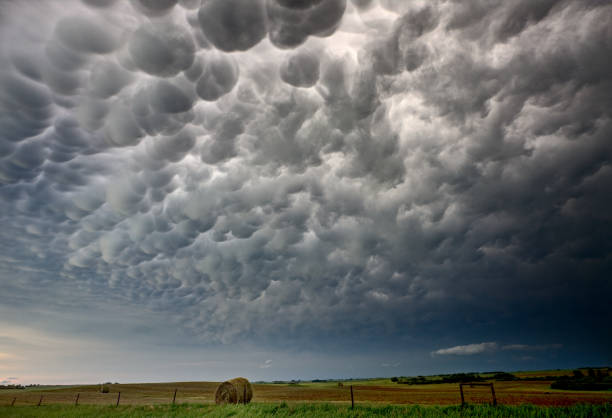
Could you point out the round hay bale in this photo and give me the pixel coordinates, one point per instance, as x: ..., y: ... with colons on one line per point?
x: 243, y: 389
x: 226, y: 393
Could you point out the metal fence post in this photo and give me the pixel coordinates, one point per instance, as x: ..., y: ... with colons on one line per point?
x: 352, y: 398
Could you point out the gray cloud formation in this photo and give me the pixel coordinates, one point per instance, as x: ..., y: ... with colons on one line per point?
x: 291, y: 23
x: 233, y: 25
x: 162, y: 50
x: 488, y: 347
x: 466, y: 350
x: 447, y: 162
x: 219, y: 75
x: 300, y: 70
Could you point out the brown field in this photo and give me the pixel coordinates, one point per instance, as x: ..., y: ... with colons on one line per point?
x: 365, y: 391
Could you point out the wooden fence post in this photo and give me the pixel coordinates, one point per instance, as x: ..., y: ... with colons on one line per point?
x: 493, y: 393
x: 118, y: 397
x: 40, y: 400
x: 461, y: 390
x: 352, y: 398
x: 76, y: 401
x: 13, y: 403
x: 174, y: 397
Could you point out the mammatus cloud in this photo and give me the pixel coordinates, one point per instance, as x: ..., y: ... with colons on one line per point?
x: 292, y: 171
x: 300, y: 70
x: 162, y: 50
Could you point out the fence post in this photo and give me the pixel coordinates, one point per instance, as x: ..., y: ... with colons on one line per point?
x: 40, y: 400
x: 118, y: 397
x: 13, y: 403
x: 352, y: 398
x: 76, y: 401
x: 174, y: 397
x: 493, y: 393
x: 461, y: 390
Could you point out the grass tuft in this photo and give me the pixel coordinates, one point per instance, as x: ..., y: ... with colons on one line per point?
x: 306, y: 410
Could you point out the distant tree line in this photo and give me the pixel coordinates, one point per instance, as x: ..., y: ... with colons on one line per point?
x: 17, y: 386
x: 445, y: 378
x: 595, y: 379
x: 294, y: 381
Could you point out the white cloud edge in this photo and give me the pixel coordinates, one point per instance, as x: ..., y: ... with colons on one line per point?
x: 479, y: 348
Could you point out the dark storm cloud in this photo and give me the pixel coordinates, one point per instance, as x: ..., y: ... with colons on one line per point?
x: 233, y: 25
x: 362, y: 4
x: 291, y: 23
x: 300, y: 70
x: 83, y: 35
x: 168, y: 98
x: 99, y: 3
x: 108, y: 78
x: 154, y: 7
x: 238, y: 25
x: 424, y: 170
x: 218, y: 77
x: 162, y: 50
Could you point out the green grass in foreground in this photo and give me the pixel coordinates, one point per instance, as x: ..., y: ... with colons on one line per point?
x: 304, y: 410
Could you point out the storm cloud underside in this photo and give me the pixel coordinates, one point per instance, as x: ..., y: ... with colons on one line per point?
x: 287, y: 171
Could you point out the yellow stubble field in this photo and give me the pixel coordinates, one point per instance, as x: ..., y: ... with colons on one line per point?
x: 367, y: 391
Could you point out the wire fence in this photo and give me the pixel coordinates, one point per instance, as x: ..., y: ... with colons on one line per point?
x: 127, y: 395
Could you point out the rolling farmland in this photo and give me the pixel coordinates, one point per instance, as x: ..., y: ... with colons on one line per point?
x: 366, y: 392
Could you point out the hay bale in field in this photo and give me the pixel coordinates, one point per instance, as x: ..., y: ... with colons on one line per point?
x: 226, y: 393
x: 244, y: 389
x: 236, y: 390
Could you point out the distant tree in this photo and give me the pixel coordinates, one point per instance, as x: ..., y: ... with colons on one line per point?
x: 503, y: 376
x: 578, y: 374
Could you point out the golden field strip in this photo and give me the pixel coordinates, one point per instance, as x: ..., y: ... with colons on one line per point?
x: 371, y: 391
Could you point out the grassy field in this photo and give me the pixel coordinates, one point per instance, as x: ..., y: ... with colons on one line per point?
x: 373, y: 398
x: 309, y: 410
x: 365, y: 391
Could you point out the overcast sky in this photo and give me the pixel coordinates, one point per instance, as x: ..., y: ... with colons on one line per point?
x: 303, y: 189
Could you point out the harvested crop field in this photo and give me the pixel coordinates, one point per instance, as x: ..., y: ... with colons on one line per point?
x: 314, y: 410
x: 365, y: 392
